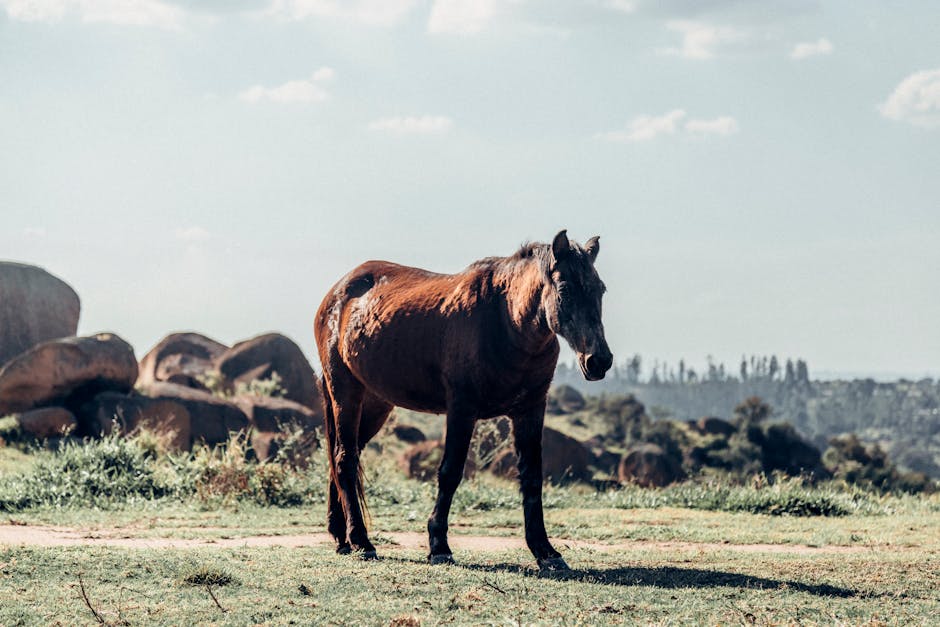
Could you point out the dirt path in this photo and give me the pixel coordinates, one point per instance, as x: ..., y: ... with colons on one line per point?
x: 50, y: 536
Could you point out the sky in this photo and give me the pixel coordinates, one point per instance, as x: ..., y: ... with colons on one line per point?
x: 764, y: 177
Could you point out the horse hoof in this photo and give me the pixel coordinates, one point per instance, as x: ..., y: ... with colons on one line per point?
x: 443, y: 558
x: 369, y: 555
x: 553, y: 564
x: 343, y: 549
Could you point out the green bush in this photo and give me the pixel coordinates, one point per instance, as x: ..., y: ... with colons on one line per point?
x: 849, y: 459
x: 116, y: 471
x: 108, y: 471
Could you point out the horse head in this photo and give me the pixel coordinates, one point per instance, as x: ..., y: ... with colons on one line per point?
x: 572, y: 303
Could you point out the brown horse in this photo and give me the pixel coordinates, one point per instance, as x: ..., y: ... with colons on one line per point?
x: 477, y: 344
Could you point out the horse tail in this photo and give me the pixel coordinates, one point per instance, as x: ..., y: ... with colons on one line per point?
x: 361, y: 495
x: 329, y: 429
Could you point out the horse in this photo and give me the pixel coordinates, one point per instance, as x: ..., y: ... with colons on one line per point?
x: 473, y: 345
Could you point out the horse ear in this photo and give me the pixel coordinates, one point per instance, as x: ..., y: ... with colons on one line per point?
x: 592, y: 247
x: 560, y: 245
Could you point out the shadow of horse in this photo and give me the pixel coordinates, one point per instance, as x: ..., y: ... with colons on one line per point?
x: 666, y: 577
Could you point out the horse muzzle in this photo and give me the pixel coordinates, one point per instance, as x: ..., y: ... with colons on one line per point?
x: 595, y: 365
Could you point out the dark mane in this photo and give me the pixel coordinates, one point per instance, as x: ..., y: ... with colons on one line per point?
x: 538, y: 251
x: 529, y: 249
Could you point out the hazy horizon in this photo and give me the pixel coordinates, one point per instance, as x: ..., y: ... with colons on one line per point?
x: 763, y: 177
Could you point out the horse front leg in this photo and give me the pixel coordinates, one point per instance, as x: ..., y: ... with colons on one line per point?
x: 460, y: 425
x: 527, y: 433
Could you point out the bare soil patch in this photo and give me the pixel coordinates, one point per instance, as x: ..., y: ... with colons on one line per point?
x: 18, y: 534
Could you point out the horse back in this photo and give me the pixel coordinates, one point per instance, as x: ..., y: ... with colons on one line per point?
x: 411, y: 337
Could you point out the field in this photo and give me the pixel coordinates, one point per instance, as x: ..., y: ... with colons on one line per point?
x: 700, y: 554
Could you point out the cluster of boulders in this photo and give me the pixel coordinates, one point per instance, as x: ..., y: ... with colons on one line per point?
x: 564, y: 459
x: 196, y: 390
x: 54, y: 384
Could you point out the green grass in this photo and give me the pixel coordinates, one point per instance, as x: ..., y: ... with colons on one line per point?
x: 290, y: 586
x: 876, y: 556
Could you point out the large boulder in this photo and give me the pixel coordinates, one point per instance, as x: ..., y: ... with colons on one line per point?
x: 711, y: 425
x: 272, y: 414
x: 262, y: 356
x: 422, y: 460
x: 181, y: 358
x: 567, y: 398
x: 67, y: 372
x: 211, y: 418
x: 648, y: 465
x: 408, y: 433
x: 35, y: 306
x: 131, y: 413
x: 46, y: 422
x: 564, y: 459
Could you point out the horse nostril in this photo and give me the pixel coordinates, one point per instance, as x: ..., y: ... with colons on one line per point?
x: 599, y: 365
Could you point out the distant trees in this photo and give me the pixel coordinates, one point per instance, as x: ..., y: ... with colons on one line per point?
x: 754, y: 369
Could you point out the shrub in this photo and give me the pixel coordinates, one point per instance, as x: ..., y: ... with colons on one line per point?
x: 219, y: 386
x: 849, y: 459
x: 117, y: 471
x: 783, y: 498
x: 95, y: 474
x: 223, y: 475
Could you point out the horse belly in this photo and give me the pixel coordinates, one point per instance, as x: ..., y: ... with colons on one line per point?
x: 403, y: 368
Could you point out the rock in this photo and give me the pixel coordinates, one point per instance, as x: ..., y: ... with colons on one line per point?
x: 568, y: 399
x: 606, y: 461
x: 47, y: 422
x: 422, y: 460
x: 564, y: 459
x: 490, y: 438
x: 647, y: 465
x: 180, y: 358
x: 272, y: 414
x: 35, y: 306
x: 132, y: 413
x: 784, y: 449
x: 262, y: 356
x: 67, y: 372
x: 211, y: 418
x: 710, y: 425
x: 408, y: 433
x: 504, y: 464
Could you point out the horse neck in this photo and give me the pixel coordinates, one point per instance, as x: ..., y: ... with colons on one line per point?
x: 521, y: 282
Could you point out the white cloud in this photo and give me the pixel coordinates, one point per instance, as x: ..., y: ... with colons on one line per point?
x: 192, y: 234
x: 413, y: 125
x: 724, y: 125
x: 806, y: 49
x: 916, y: 100
x: 461, y: 17
x: 122, y: 12
x: 647, y: 127
x: 623, y: 6
x: 370, y: 12
x: 700, y: 40
x: 302, y: 91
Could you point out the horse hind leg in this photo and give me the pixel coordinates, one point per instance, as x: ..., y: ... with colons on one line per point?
x: 347, y: 395
x: 335, y: 516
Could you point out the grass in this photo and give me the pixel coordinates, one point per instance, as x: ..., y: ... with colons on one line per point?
x: 875, y: 562
x: 289, y: 586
